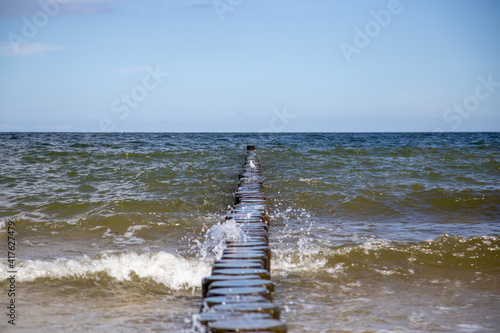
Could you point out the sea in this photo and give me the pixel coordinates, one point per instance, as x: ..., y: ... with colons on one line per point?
x: 370, y: 232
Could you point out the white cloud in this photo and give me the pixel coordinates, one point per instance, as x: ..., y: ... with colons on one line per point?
x: 131, y: 70
x: 197, y: 6
x: 26, y: 49
x: 19, y: 8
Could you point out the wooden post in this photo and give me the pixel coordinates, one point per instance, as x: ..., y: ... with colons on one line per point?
x: 237, y: 297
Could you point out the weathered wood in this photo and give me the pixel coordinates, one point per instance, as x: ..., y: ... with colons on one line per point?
x: 237, y: 297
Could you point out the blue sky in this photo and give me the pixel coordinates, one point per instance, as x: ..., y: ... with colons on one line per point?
x: 249, y: 65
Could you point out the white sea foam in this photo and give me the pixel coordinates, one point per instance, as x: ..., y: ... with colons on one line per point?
x: 470, y: 328
x: 128, y: 237
x: 300, y: 257
x: 173, y: 271
x: 312, y: 256
x: 309, y: 181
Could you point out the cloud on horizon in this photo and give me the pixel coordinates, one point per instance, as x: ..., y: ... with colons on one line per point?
x: 8, y: 128
x: 26, y: 49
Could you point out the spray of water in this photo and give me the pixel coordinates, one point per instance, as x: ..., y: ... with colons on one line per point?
x: 216, y: 237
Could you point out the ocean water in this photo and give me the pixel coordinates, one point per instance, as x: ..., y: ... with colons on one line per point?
x: 370, y: 232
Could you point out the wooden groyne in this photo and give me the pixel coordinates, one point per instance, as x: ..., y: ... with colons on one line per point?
x: 238, y: 296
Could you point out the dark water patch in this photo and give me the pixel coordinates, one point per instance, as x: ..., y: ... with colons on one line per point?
x: 366, y: 206
x: 80, y: 145
x: 455, y: 201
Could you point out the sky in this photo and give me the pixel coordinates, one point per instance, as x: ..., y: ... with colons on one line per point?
x: 249, y: 65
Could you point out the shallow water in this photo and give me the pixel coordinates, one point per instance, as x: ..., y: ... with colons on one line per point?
x: 370, y: 232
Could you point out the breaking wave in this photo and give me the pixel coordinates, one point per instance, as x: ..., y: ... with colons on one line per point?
x: 172, y: 271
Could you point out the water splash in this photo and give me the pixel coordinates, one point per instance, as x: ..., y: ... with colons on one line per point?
x: 216, y: 237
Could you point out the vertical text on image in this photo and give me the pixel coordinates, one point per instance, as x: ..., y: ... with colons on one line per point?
x: 11, y: 272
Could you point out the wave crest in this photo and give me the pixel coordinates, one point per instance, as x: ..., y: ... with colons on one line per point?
x: 173, y: 271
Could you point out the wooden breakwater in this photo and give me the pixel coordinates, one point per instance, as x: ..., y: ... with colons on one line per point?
x: 238, y: 296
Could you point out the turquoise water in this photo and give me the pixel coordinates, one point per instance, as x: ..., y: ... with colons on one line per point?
x: 370, y: 232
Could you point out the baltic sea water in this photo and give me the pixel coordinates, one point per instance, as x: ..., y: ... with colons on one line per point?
x: 378, y: 232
